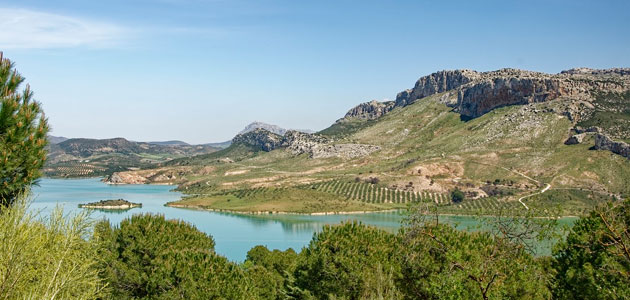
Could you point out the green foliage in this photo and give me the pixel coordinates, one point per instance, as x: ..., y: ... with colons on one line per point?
x: 271, y: 271
x: 611, y: 114
x: 23, y: 130
x: 594, y: 261
x: 350, y: 261
x: 148, y: 256
x: 346, y: 128
x: 457, y: 196
x: 46, y: 259
x: 440, y: 262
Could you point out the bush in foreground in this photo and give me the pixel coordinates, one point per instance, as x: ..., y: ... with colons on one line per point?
x: 350, y: 261
x: 594, y: 260
x: 271, y: 272
x: 46, y: 259
x: 149, y: 257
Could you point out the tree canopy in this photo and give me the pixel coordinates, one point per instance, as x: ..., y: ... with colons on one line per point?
x: 594, y: 260
x: 23, y: 130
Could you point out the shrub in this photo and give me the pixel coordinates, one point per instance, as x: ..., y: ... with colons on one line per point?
x: 457, y: 196
x: 46, y: 259
x: 440, y: 262
x: 148, y: 256
x: 594, y: 262
x: 271, y: 271
x: 373, y: 180
x: 350, y: 261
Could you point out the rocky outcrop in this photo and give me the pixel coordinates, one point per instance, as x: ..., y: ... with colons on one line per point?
x: 342, y: 150
x: 435, y: 83
x: 316, y: 146
x: 598, y: 72
x: 368, y: 111
x: 592, y: 129
x: 260, y: 138
x: 261, y: 125
x: 299, y: 142
x: 602, y: 142
x: 575, y: 139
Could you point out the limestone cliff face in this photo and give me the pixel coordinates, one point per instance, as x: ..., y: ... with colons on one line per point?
x: 516, y: 87
x: 480, y: 98
x: 480, y: 92
x: 602, y: 142
x: 435, y: 83
x: 368, y: 111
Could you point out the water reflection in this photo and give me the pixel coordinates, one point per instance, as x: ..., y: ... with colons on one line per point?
x: 312, y: 223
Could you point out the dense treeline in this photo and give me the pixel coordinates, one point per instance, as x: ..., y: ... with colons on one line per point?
x: 150, y: 257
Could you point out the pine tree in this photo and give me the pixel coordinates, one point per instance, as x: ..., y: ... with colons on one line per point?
x: 23, y: 130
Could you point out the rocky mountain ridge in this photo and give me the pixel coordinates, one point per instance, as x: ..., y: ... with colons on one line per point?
x: 316, y: 146
x: 368, y: 111
x: 473, y: 93
x: 262, y: 125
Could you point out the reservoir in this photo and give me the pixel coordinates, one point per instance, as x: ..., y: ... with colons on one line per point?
x: 234, y: 234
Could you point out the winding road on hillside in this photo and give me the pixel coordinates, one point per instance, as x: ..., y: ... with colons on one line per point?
x: 520, y: 200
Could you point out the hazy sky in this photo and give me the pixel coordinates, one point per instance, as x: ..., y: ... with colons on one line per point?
x: 200, y: 70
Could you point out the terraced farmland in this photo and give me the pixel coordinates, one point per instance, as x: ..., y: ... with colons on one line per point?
x: 372, y: 193
x: 488, y: 204
x: 75, y: 170
x: 377, y: 195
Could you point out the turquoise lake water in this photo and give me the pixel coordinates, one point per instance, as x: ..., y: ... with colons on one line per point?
x: 234, y: 234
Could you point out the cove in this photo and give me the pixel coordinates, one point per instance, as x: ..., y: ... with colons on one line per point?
x: 234, y: 234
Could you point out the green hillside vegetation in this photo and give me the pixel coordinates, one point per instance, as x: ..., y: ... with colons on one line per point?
x: 612, y: 114
x: 426, y: 148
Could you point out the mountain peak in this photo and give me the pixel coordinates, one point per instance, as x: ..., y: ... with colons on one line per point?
x: 262, y: 125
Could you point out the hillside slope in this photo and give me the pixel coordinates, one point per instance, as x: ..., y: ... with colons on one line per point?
x: 501, y: 137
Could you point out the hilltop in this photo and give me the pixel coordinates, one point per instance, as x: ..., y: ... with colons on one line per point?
x: 509, y: 139
x: 261, y: 125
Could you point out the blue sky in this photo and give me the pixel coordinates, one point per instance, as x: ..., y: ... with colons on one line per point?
x: 200, y: 70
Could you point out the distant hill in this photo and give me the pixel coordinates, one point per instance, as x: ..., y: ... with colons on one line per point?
x: 99, y: 157
x: 56, y: 139
x: 221, y: 145
x: 170, y: 143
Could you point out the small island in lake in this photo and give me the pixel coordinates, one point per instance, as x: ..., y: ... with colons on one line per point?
x: 111, y: 204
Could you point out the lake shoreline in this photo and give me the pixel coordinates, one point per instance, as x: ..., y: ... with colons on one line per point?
x: 326, y: 213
